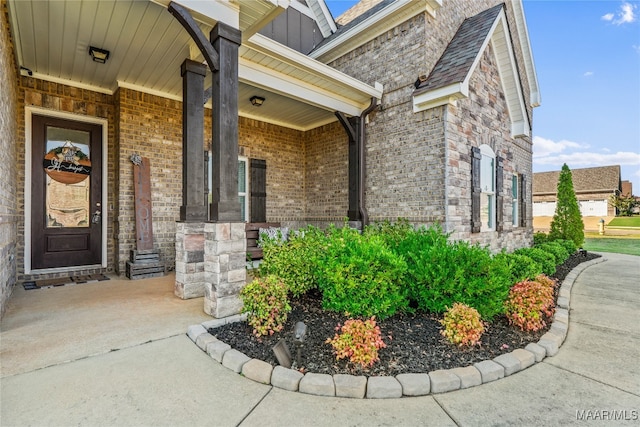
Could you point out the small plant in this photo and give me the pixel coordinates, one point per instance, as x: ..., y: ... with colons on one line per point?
x: 266, y: 303
x: 462, y: 325
x: 529, y: 301
x: 359, y: 340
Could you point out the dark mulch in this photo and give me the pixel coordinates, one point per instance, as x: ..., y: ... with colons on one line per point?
x: 414, y: 343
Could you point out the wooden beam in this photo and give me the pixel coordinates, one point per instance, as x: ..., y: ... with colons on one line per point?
x: 186, y: 20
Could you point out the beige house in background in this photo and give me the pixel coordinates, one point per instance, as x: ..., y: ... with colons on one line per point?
x: 593, y: 187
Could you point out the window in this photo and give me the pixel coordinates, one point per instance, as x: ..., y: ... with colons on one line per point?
x: 243, y: 184
x: 487, y: 188
x: 243, y: 180
x: 514, y: 201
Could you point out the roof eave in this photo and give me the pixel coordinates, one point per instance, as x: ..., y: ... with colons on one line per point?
x: 384, y: 20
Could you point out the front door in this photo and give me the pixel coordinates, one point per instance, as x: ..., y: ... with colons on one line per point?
x: 66, y: 195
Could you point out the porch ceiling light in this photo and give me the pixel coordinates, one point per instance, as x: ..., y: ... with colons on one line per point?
x: 98, y: 55
x: 256, y: 101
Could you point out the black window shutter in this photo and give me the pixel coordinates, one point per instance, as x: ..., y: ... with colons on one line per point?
x: 475, y: 189
x: 523, y: 201
x: 258, y: 189
x: 499, y: 196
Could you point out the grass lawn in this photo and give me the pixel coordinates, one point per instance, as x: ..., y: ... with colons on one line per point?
x: 611, y: 244
x: 625, y: 221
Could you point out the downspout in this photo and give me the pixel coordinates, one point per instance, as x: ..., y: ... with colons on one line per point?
x: 363, y: 139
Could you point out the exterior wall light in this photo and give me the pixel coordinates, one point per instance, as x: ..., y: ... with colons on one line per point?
x: 98, y: 55
x: 256, y: 101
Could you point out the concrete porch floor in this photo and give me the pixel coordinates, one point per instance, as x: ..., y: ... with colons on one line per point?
x: 77, y: 321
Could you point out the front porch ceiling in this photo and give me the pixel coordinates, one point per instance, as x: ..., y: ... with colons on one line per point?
x: 147, y: 46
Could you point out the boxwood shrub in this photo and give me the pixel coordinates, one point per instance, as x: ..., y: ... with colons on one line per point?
x: 546, y: 260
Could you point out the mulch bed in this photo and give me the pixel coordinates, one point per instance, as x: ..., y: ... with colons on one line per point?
x: 414, y: 343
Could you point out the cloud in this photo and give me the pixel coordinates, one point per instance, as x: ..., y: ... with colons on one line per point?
x: 588, y: 74
x: 636, y: 48
x: 544, y: 147
x: 606, y: 150
x: 586, y: 158
x: 608, y: 17
x: 625, y: 15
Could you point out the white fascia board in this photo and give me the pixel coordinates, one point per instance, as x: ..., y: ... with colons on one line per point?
x: 305, y: 10
x: 294, y: 58
x: 485, y: 43
x: 279, y: 6
x: 323, y: 16
x: 309, y: 126
x: 435, y: 98
x: 520, y: 128
x: 72, y: 83
x: 269, y: 79
x: 210, y: 12
x: 138, y: 88
x: 373, y: 26
x: 529, y: 64
x: 518, y: 112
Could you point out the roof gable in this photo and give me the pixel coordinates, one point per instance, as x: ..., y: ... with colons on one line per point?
x: 449, y: 79
x: 603, y: 179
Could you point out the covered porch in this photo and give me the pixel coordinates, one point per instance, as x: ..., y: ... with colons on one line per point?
x: 304, y: 134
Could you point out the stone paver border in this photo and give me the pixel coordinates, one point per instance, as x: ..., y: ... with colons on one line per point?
x: 403, y: 385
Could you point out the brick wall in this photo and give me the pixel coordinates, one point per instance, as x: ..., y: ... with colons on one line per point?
x: 8, y: 161
x: 412, y: 158
x: 151, y: 126
x: 284, y: 151
x: 483, y: 118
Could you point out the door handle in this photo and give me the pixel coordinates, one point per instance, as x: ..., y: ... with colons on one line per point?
x: 96, y: 217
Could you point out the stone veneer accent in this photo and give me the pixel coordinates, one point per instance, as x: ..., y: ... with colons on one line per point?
x: 225, y: 254
x: 9, y: 216
x: 189, y: 260
x: 418, y: 384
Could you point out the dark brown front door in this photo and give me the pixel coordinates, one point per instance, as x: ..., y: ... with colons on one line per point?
x: 66, y: 197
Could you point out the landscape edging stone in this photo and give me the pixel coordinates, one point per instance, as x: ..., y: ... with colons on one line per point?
x: 547, y: 346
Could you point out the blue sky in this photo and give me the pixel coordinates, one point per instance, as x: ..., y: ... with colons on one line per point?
x: 587, y: 58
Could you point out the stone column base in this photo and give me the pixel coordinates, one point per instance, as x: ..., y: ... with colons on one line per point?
x: 225, y: 253
x: 189, y: 260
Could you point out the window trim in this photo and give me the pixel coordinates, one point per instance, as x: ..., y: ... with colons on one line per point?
x: 487, y: 152
x: 515, y: 200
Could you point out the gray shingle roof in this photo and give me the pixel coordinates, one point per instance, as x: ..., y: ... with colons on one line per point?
x: 601, y: 179
x: 455, y: 63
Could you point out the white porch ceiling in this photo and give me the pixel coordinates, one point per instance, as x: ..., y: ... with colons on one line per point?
x: 147, y: 46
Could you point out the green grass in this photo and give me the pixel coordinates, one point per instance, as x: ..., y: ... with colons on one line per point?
x: 612, y: 244
x: 625, y: 221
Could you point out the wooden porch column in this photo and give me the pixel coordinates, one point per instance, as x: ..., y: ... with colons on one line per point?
x: 193, y: 208
x: 225, y: 206
x: 352, y: 128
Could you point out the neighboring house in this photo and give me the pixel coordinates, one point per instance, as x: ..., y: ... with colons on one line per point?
x: 593, y: 187
x: 420, y: 109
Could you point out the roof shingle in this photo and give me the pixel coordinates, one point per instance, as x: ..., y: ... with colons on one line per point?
x: 601, y: 179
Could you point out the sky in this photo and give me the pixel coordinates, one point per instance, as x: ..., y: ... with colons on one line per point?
x: 587, y: 59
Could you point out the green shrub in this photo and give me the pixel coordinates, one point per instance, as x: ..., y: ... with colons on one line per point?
x: 391, y: 233
x: 445, y: 273
x: 569, y: 245
x: 361, y: 276
x: 521, y: 267
x: 546, y: 260
x: 359, y: 341
x: 540, y: 238
x: 529, y: 301
x: 557, y: 250
x: 298, y: 261
x: 462, y: 325
x: 567, y: 221
x: 266, y: 304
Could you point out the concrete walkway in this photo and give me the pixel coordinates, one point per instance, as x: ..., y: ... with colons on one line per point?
x: 60, y: 367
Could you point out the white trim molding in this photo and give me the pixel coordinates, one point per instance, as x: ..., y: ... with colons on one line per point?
x: 29, y: 112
